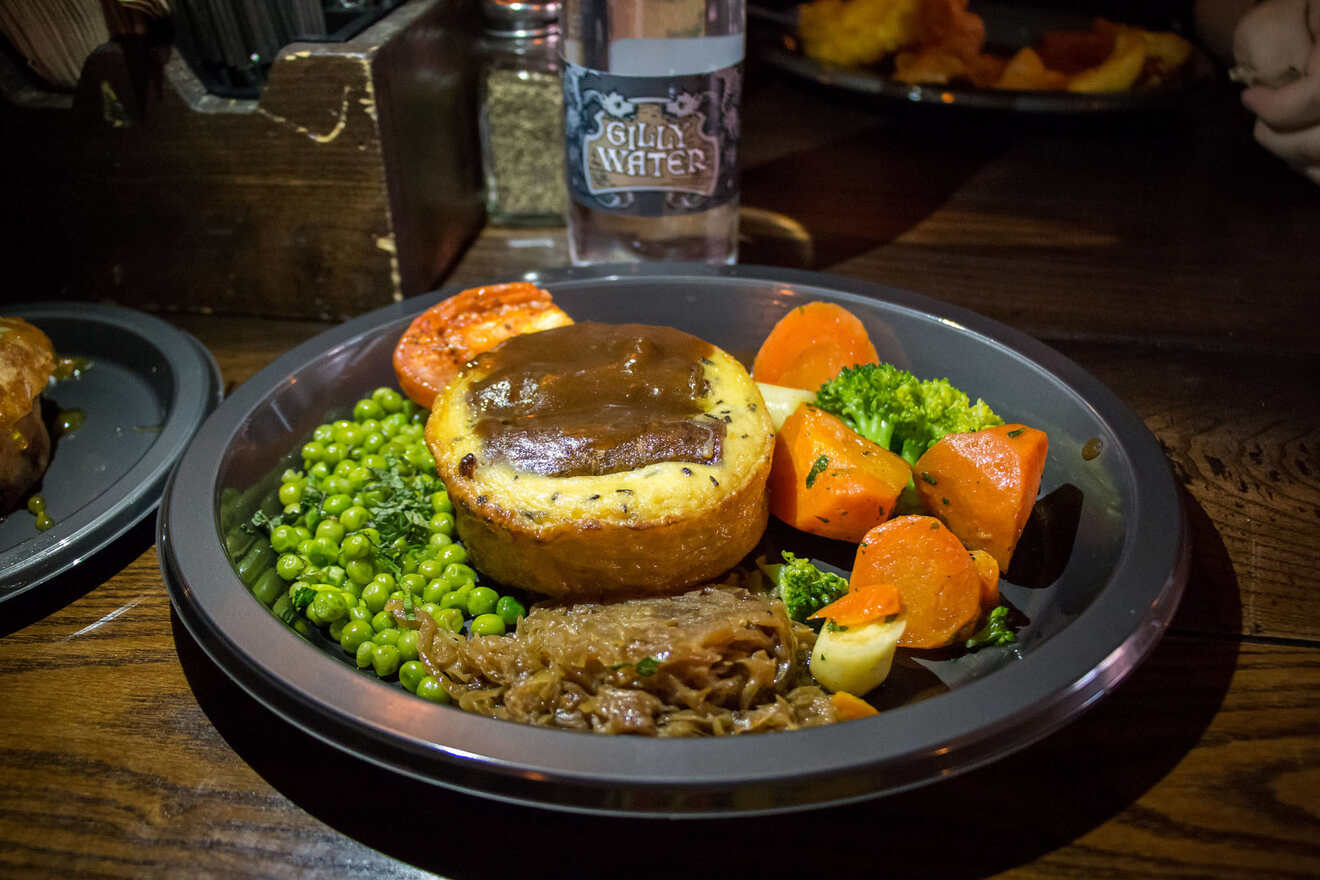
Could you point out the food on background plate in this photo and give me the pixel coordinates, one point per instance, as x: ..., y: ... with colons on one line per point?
x: 611, y: 479
x: 27, y: 361
x: 941, y: 42
x: 595, y: 459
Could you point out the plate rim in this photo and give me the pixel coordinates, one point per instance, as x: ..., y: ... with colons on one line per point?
x: 135, y: 495
x: 654, y: 788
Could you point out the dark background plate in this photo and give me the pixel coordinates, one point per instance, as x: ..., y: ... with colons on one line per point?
x: 1099, y: 609
x: 1009, y: 27
x: 149, y: 387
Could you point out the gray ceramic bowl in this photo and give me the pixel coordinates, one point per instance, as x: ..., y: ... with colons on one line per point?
x: 1104, y: 564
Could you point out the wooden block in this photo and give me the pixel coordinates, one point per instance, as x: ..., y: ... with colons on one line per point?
x: 352, y: 182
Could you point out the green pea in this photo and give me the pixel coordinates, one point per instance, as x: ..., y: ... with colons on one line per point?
x: 388, y: 399
x: 373, y: 441
x: 334, y: 453
x: 510, y: 609
x: 360, y: 612
x: 375, y: 594
x: 440, y: 502
x: 413, y: 583
x: 337, y: 504
x: 313, y: 451
x: 289, y: 566
x: 349, y: 435
x: 367, y: 409
x: 449, y: 618
x: 327, y: 607
x: 344, y: 468
x: 269, y: 587
x: 354, y: 547
x: 258, y: 558
x: 438, y: 540
x: 430, y: 568
x: 334, y: 575
x: 410, y: 673
x: 456, y: 574
x: 336, y: 629
x: 409, y: 408
x: 320, y: 550
x: 290, y: 493
x: 431, y: 689
x: 323, y: 433
x: 488, y: 625
x: 354, y: 518
x: 407, y: 644
x: 302, y: 532
x: 319, y: 471
x: 387, y: 579
x: 283, y: 539
x: 454, y: 599
x: 375, y: 462
x: 429, y: 608
x: 388, y: 636
x: 419, y: 457
x: 455, y: 553
x: 382, y: 620
x: 394, y: 423
x: 355, y: 632
x: 434, y: 591
x: 331, y: 530
x: 482, y: 600
x: 364, y: 653
x: 442, y: 522
x: 360, y: 571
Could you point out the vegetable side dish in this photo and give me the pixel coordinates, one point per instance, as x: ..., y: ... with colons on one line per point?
x: 614, y: 480
x: 941, y: 42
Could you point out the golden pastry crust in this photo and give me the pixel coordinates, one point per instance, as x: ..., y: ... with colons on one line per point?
x: 659, y: 528
x: 27, y: 360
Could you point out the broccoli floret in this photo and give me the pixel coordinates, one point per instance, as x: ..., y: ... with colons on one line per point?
x: 900, y: 412
x: 997, y: 631
x: 802, y: 587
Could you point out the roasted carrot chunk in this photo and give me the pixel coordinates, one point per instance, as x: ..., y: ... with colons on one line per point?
x: 829, y: 480
x: 850, y: 708
x: 934, y: 574
x: 809, y: 346
x: 453, y: 331
x: 983, y: 485
x: 987, y: 569
x: 862, y: 604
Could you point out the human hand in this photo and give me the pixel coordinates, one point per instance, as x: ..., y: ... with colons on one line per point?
x: 1277, y: 48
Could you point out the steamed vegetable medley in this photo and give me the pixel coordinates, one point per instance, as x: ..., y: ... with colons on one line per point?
x: 366, y: 521
x: 932, y: 488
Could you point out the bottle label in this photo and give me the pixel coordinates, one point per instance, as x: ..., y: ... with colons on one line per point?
x: 651, y: 146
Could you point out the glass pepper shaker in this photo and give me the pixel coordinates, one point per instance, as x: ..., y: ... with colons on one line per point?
x: 522, y: 118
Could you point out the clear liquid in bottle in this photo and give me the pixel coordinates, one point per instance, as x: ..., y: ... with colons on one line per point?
x: 652, y: 97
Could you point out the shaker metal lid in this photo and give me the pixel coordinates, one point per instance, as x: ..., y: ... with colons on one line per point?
x: 520, y: 17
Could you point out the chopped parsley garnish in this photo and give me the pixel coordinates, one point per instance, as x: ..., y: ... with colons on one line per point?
x: 817, y: 468
x: 647, y: 666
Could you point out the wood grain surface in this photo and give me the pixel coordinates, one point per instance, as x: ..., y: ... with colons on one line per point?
x: 1167, y: 257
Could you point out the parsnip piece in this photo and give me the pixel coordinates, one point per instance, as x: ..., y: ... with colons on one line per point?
x: 856, y: 659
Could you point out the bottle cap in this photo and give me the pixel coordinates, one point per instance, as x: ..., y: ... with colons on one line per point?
x: 520, y: 18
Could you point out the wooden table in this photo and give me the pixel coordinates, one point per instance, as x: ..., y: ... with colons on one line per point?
x: 1167, y: 255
